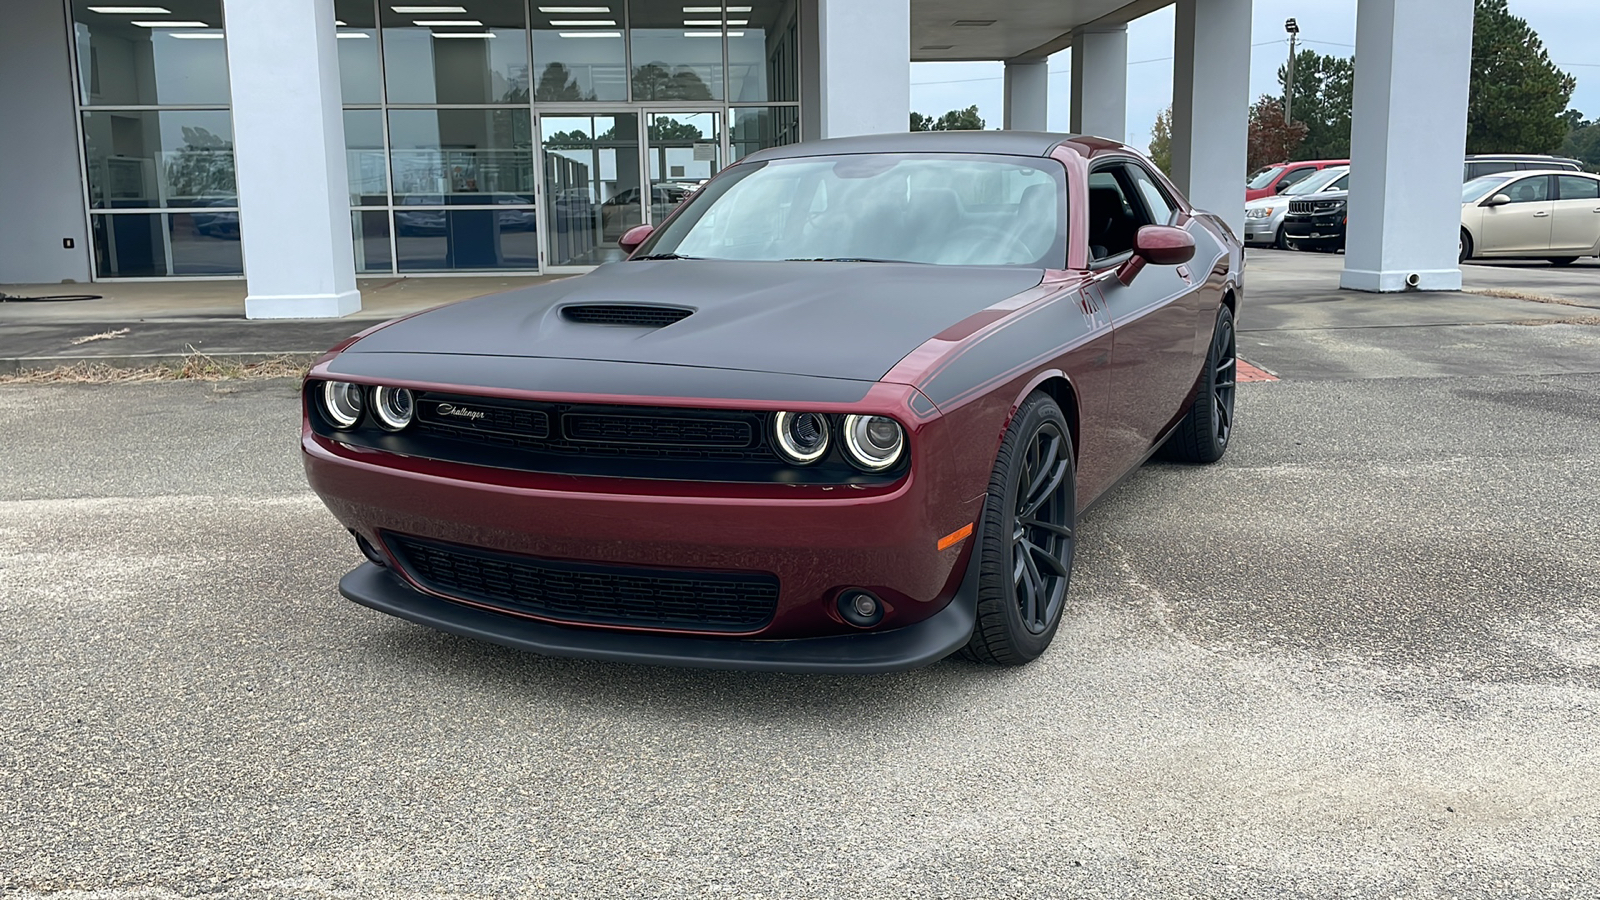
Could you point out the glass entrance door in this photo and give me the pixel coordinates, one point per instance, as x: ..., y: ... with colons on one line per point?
x: 684, y: 150
x: 592, y: 185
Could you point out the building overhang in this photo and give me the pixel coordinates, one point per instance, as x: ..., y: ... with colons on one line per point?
x: 960, y: 30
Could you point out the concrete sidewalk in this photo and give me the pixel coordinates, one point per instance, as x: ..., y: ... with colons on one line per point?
x: 1290, y: 297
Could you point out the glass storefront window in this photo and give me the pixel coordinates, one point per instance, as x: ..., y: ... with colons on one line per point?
x: 677, y: 52
x: 442, y: 240
x: 478, y: 54
x: 360, y: 71
x: 129, y: 246
x: 156, y: 245
x: 763, y: 51
x: 175, y: 56
x: 462, y: 156
x: 592, y: 185
x: 580, y: 56
x: 370, y: 228
x: 205, y: 243
x: 759, y: 127
x: 363, y: 142
x: 146, y: 159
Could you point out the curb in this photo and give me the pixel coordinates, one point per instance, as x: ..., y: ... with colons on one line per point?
x: 16, y: 364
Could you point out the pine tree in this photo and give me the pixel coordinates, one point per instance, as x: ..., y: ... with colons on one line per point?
x: 1517, y: 96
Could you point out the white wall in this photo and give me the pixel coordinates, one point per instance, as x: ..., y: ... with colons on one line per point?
x: 863, y: 67
x: 41, y: 201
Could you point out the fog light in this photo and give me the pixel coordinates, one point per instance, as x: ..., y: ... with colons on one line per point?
x: 860, y: 608
x: 370, y: 552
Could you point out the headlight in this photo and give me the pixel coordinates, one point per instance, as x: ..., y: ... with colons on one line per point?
x: 392, y: 407
x: 874, y: 443
x: 802, y: 437
x: 1260, y: 212
x: 342, y: 403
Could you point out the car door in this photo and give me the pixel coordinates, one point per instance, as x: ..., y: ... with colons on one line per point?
x: 1153, y: 361
x: 1293, y: 176
x: 1575, y: 216
x: 1521, y: 226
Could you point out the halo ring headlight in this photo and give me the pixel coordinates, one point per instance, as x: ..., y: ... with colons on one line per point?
x: 802, y: 438
x: 873, y: 443
x: 342, y: 403
x: 393, y: 407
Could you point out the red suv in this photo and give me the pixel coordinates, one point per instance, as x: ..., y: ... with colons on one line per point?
x: 1276, y: 179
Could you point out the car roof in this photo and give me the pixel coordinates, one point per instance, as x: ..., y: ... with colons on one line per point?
x: 1007, y: 143
x: 1524, y: 172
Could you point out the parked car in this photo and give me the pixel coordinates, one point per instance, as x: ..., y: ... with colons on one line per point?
x: 1552, y: 215
x: 839, y: 412
x: 1279, y: 178
x: 1263, y: 218
x: 1478, y: 165
x: 1317, y: 222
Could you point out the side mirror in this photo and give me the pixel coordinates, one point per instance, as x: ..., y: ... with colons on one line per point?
x: 1282, y: 186
x: 1497, y: 200
x: 1157, y: 245
x: 633, y: 237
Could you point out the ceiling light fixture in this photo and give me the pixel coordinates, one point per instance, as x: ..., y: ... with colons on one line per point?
x: 353, y: 34
x: 462, y: 34
x: 416, y: 10
x: 565, y: 22
x: 131, y: 10
x: 471, y: 23
x: 715, y: 9
x: 171, y: 24
x: 713, y: 22
x: 589, y: 34
x: 196, y: 36
x: 712, y: 34
x: 566, y: 10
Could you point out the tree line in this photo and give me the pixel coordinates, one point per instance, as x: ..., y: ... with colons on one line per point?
x: 1516, y: 102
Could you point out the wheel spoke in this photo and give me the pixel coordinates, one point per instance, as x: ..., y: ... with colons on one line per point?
x: 1042, y: 471
x: 1032, y: 613
x: 1051, y: 527
x: 1225, y: 364
x: 1036, y: 501
x: 1056, y: 566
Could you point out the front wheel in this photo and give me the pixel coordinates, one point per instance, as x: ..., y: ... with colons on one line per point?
x: 1279, y: 241
x: 1563, y: 260
x: 1027, y: 543
x: 1202, y: 436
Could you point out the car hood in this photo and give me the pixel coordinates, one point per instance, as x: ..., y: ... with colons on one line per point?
x: 1272, y: 200
x: 839, y: 320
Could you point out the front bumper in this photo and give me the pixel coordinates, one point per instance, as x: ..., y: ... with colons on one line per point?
x: 1326, y: 230
x: 860, y: 653
x: 1261, y: 231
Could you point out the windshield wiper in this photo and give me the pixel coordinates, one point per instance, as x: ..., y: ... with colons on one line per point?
x: 666, y: 256
x: 843, y: 259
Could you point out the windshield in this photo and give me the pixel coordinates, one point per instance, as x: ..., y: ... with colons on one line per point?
x: 942, y: 209
x: 1264, y: 177
x: 1318, y: 181
x: 1479, y: 188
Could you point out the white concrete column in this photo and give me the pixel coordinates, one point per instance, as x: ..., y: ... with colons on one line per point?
x: 1100, y: 81
x: 288, y: 138
x: 1027, y: 95
x: 863, y: 67
x: 1408, y: 134
x: 1211, y: 105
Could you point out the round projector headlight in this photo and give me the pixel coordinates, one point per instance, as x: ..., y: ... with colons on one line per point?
x: 342, y: 402
x: 393, y: 407
x: 802, y: 437
x: 874, y: 443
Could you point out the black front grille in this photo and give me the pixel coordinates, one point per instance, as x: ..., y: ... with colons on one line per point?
x: 483, y: 418
x: 1300, y: 206
x: 676, y: 431
x: 592, y: 594
x: 624, y: 314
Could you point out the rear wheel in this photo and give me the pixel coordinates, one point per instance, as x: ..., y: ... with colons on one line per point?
x: 1202, y: 436
x: 1464, y: 249
x: 1280, y: 242
x: 1563, y: 260
x: 1027, y: 543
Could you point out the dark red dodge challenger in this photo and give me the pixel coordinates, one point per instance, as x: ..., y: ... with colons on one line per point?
x: 838, y: 413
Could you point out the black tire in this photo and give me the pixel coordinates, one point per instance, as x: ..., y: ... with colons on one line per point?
x: 1280, y: 242
x: 1465, y: 248
x: 1563, y: 260
x: 1026, y: 542
x: 1203, y: 435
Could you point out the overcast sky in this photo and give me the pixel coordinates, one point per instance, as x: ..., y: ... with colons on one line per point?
x: 1567, y: 27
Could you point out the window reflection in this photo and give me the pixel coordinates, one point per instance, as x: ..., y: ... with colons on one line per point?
x: 478, y: 55
x: 464, y: 156
x: 140, y: 160
x: 129, y: 246
x: 360, y: 72
x: 763, y: 49
x: 465, y: 239
x: 592, y: 185
x: 371, y: 232
x: 580, y: 56
x: 757, y: 128
x: 677, y: 52
x: 363, y: 141
x: 205, y: 243
x: 122, y: 63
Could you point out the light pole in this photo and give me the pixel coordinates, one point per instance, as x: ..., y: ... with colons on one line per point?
x: 1288, y: 83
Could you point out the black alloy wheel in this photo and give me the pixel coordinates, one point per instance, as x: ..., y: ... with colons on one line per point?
x: 1027, y: 541
x: 1203, y: 435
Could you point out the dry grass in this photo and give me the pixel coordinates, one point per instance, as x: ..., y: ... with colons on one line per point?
x: 1573, y: 320
x: 1524, y: 295
x: 195, y: 366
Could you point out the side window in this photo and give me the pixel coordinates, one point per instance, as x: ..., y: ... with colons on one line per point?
x: 1573, y: 187
x: 1341, y: 184
x: 1115, y: 216
x: 1528, y: 190
x: 1155, y: 200
x: 1295, y: 175
x: 1480, y: 169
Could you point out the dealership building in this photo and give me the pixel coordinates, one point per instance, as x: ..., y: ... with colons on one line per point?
x: 302, y: 144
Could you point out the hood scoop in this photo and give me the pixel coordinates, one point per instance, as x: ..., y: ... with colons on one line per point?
x: 638, y: 315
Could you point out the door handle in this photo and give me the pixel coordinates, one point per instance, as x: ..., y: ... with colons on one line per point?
x: 1540, y: 215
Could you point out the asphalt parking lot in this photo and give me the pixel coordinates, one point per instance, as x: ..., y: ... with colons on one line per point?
x: 1358, y: 658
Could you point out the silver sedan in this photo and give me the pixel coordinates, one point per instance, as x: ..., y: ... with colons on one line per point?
x: 1263, y: 217
x: 1552, y: 215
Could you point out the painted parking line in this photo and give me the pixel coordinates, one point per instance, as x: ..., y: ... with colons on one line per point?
x: 1249, y: 373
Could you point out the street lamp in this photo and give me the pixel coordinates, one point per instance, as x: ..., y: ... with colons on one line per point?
x: 1293, y: 28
